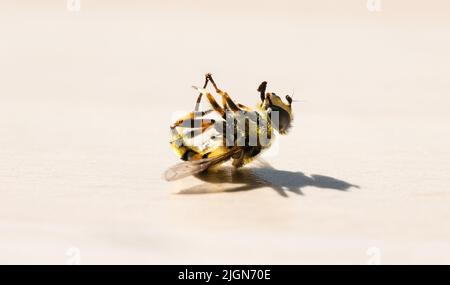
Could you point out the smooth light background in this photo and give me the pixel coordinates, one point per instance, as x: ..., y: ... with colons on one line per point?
x: 86, y: 98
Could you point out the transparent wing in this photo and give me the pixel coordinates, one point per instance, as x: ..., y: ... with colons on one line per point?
x: 187, y: 168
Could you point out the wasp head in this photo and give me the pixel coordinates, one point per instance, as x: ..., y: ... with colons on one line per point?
x: 279, y: 112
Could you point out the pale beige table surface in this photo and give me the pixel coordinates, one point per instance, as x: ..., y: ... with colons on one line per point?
x: 86, y: 98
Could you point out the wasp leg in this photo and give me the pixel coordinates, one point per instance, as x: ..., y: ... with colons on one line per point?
x: 228, y: 103
x: 238, y: 159
x: 212, y: 101
x: 245, y: 108
x: 199, y: 98
x: 190, y: 121
x: 206, y: 125
x: 208, y: 77
x: 196, y: 132
x: 224, y: 101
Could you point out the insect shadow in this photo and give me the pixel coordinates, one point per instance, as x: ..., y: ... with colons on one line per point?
x: 229, y: 179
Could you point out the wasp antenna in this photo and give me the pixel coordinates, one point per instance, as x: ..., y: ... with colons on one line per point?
x: 262, y: 90
x: 262, y: 87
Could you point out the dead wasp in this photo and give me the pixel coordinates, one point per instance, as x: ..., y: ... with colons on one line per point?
x: 239, y: 133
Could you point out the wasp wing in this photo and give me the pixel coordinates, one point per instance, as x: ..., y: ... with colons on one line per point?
x: 187, y: 168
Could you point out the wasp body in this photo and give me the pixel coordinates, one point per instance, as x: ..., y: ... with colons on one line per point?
x: 239, y: 132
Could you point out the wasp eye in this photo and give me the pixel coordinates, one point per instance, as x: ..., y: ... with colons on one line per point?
x: 289, y: 99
